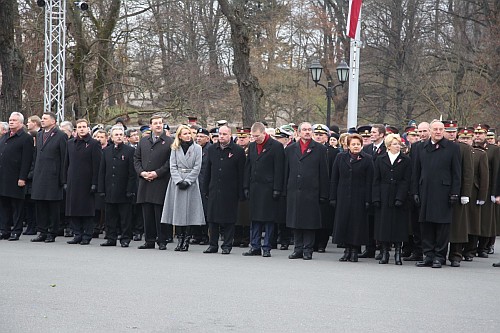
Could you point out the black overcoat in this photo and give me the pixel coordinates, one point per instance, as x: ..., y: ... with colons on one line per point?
x: 224, y: 182
x: 437, y: 175
x: 351, y: 188
x: 263, y: 175
x: 151, y: 156
x: 479, y: 189
x: 48, y: 174
x: 306, y: 182
x: 117, y: 175
x: 488, y: 214
x: 391, y: 182
x: 16, y: 156
x: 82, y: 162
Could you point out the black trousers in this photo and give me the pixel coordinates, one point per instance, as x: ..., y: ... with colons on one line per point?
x: 435, y: 238
x: 213, y: 231
x: 483, y: 244
x: 11, y: 209
x: 372, y: 244
x: 83, y: 227
x: 470, y: 248
x: 30, y: 213
x: 241, y: 235
x: 137, y: 220
x: 48, y: 217
x: 154, y: 231
x: 119, y: 215
x: 321, y: 238
x: 304, y: 240
x: 415, y: 226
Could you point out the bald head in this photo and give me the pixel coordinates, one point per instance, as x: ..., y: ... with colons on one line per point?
x: 224, y: 135
x: 423, y: 130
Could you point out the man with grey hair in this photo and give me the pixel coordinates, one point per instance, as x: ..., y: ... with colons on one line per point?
x: 16, y: 147
x: 4, y: 128
x: 67, y: 128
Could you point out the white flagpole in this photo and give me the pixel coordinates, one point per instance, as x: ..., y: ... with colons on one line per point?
x: 352, y: 104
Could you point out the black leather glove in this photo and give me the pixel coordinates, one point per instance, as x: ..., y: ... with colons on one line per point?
x: 93, y: 188
x: 130, y: 194
x: 367, y: 205
x: 183, y: 185
x: 323, y: 201
x: 65, y: 187
x: 276, y: 195
x: 416, y: 200
x: 377, y: 204
x: 454, y: 199
x: 333, y: 203
x: 398, y: 203
x: 246, y: 193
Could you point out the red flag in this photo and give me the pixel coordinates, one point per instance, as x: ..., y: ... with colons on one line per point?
x: 353, y: 18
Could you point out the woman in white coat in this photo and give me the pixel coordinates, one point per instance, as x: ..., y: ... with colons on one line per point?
x: 183, y: 206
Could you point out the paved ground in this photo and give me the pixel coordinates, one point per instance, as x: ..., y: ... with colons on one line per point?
x: 71, y: 288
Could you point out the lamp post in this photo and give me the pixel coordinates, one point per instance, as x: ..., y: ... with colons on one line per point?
x: 342, y: 75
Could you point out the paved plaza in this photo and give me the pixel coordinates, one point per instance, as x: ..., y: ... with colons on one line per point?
x: 72, y: 288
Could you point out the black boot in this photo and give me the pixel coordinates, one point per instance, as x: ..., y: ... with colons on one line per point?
x: 185, y: 246
x: 397, y: 254
x: 347, y: 255
x: 385, y: 254
x: 180, y: 243
x: 353, y: 254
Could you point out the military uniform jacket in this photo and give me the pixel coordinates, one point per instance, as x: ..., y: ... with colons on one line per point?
x: 151, y: 156
x: 488, y: 222
x: 263, y: 175
x: 224, y: 182
x: 479, y: 189
x: 82, y: 161
x: 351, y: 187
x: 16, y: 155
x: 117, y: 175
x: 306, y: 181
x: 437, y: 175
x: 48, y: 174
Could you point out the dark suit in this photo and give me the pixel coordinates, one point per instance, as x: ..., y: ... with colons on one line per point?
x: 263, y: 176
x: 155, y: 156
x: 48, y: 180
x: 437, y: 176
x: 16, y: 155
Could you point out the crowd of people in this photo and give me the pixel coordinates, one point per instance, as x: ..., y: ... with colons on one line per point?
x: 431, y: 192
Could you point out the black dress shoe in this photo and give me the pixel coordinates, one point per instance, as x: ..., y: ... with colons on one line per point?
x: 147, y: 246
x: 491, y: 250
x: 124, y: 244
x: 284, y: 247
x: 39, y: 238
x: 296, y: 255
x: 137, y: 238
x: 211, y: 250
x: 367, y: 254
x: 455, y: 263
x: 266, y: 253
x: 307, y: 256
x: 496, y: 264
x: 75, y: 240
x: 482, y: 255
x: 4, y: 236
x: 436, y: 264
x: 354, y: 256
x: 423, y: 263
x: 14, y: 237
x: 468, y: 258
x: 109, y: 242
x: 252, y: 252
x: 226, y: 251
x: 85, y: 242
x: 162, y: 246
x: 68, y: 233
x: 414, y: 257
x: 321, y: 250
x: 50, y: 239
x: 378, y: 256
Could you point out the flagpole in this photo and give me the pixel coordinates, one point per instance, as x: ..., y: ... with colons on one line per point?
x: 352, y: 105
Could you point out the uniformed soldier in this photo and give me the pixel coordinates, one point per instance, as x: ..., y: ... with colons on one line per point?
x: 365, y: 132
x: 242, y: 227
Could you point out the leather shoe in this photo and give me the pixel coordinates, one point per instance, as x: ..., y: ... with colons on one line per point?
x: 50, y: 239
x: 491, y: 250
x: 226, y: 251
x: 284, y: 247
x: 4, y: 236
x: 482, y: 255
x: 211, y: 250
x: 496, y: 264
x: 378, y: 256
x: 436, y: 264
x: 252, y: 252
x: 14, y: 237
x: 125, y: 243
x: 75, y: 240
x: 266, y: 253
x: 85, y: 242
x: 68, y: 233
x: 109, y: 242
x: 454, y: 263
x: 321, y: 250
x: 423, y: 263
x: 468, y: 258
x: 39, y: 238
x: 162, y: 246
x: 137, y: 238
x: 146, y: 246
x: 296, y: 255
x: 367, y: 254
x: 307, y: 256
x: 414, y: 257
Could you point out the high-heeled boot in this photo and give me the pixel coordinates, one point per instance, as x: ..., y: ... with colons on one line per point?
x: 385, y: 254
x: 180, y: 242
x: 397, y: 254
x: 185, y: 246
x: 347, y: 255
x: 353, y: 250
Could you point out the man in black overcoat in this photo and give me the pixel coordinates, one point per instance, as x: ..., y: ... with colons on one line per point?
x: 263, y: 185
x: 436, y: 182
x: 48, y: 178
x: 16, y: 155
x: 152, y: 164
x: 224, y: 188
x: 133, y: 137
x: 118, y: 183
x: 306, y: 185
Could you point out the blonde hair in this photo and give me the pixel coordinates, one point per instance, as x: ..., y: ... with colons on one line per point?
x: 342, y: 140
x: 177, y: 140
x: 391, y: 137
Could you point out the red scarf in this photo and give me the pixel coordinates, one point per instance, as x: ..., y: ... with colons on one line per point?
x: 303, y: 145
x: 260, y: 146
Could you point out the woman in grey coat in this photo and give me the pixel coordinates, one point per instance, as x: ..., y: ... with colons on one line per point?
x: 183, y: 206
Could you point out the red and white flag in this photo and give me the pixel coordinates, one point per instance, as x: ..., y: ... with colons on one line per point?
x: 353, y: 18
